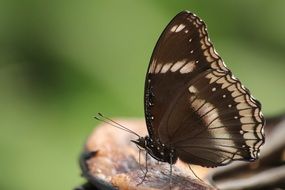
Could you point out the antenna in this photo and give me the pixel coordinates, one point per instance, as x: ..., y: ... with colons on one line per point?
x: 113, y: 123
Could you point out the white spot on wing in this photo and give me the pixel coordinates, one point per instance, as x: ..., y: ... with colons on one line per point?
x: 192, y: 89
x: 173, y: 28
x: 189, y: 67
x: 246, y: 120
x: 222, y: 65
x: 158, y: 67
x: 246, y: 112
x: 248, y: 136
x: 152, y: 67
x: 180, y: 27
x: 210, y: 117
x: 212, y: 77
x: 213, y: 53
x: 197, y: 103
x: 177, y: 65
x: 166, y: 67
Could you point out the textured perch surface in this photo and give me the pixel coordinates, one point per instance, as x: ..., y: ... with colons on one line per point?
x: 111, y: 161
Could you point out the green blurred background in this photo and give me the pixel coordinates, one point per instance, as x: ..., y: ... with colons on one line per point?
x: 63, y: 61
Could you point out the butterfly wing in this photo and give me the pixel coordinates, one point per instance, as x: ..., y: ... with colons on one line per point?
x: 194, y: 104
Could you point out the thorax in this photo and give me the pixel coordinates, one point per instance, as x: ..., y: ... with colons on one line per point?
x: 160, y: 151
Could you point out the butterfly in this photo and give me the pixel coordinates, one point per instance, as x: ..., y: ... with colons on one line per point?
x: 195, y: 109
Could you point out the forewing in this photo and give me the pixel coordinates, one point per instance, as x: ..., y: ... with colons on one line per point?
x: 181, y: 53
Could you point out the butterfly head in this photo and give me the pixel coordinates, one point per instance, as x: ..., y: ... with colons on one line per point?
x: 141, y: 142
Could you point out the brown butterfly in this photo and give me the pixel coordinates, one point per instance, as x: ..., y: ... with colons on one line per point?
x: 195, y: 109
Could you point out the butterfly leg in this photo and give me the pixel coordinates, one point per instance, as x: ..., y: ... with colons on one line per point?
x: 146, y: 170
x: 170, y: 177
x: 140, y: 150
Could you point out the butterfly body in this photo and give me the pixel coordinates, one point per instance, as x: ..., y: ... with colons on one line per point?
x: 157, y: 150
x: 195, y: 109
